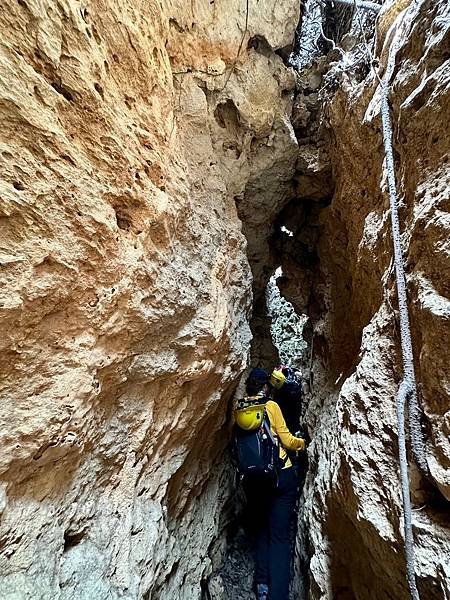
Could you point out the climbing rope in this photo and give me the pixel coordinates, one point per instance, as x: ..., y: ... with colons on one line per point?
x: 407, y: 388
x: 327, y: 39
x: 407, y: 391
x: 233, y: 66
x: 409, y: 380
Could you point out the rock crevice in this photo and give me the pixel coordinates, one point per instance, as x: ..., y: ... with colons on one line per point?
x: 151, y: 156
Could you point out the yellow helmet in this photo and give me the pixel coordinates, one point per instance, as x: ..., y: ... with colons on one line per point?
x: 251, y: 417
x: 277, y: 379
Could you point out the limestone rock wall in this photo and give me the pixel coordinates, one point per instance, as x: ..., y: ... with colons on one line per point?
x: 351, y: 511
x: 129, y: 132
x: 148, y: 161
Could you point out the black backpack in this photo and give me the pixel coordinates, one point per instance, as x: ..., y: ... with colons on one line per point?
x: 289, y: 399
x: 257, y: 455
x: 292, y: 387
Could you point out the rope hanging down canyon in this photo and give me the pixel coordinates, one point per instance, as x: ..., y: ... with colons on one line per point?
x: 407, y: 391
x: 408, y: 384
x: 407, y: 388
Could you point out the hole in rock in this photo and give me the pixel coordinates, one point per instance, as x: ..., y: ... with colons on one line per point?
x: 99, y: 90
x: 72, y: 539
x: 284, y: 229
x: 231, y: 149
x: 174, y: 23
x: 123, y: 221
x: 227, y: 115
x: 128, y: 211
x: 260, y: 45
x: 61, y: 89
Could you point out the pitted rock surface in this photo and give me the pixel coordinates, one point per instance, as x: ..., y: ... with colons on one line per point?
x: 128, y: 132
x: 150, y: 153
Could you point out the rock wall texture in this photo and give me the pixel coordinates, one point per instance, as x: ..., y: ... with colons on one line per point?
x: 351, y: 509
x: 150, y: 155
x: 130, y: 131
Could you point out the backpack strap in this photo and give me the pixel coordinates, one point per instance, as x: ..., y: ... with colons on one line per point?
x: 275, y: 442
x: 266, y: 425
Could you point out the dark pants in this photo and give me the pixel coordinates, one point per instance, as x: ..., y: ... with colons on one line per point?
x: 271, y: 516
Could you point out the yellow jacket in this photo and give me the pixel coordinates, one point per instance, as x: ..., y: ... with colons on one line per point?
x: 280, y: 430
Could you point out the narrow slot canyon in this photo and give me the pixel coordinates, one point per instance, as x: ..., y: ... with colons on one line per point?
x: 189, y: 190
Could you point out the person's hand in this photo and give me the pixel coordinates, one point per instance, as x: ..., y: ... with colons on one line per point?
x: 298, y: 435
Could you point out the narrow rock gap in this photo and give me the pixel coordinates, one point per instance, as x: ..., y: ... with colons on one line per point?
x: 161, y: 182
x: 296, y: 243
x: 287, y: 326
x: 72, y: 539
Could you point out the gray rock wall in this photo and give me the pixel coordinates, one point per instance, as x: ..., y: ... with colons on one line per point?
x: 351, y: 513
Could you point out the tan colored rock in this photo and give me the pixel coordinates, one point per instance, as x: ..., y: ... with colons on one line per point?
x: 126, y: 289
x: 147, y: 157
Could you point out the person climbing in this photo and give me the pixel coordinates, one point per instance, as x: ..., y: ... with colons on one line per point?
x: 269, y: 482
x: 288, y: 394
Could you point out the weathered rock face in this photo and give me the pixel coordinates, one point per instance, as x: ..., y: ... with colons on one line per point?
x: 129, y: 132
x: 351, y: 513
x: 149, y: 160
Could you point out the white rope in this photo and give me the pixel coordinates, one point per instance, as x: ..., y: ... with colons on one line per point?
x: 407, y: 391
x: 414, y: 411
x: 327, y: 39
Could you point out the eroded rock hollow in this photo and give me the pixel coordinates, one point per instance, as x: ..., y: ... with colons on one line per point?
x: 153, y: 157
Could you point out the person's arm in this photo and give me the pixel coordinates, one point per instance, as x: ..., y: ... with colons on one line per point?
x: 288, y: 441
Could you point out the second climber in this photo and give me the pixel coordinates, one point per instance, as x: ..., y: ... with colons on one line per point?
x: 270, y: 484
